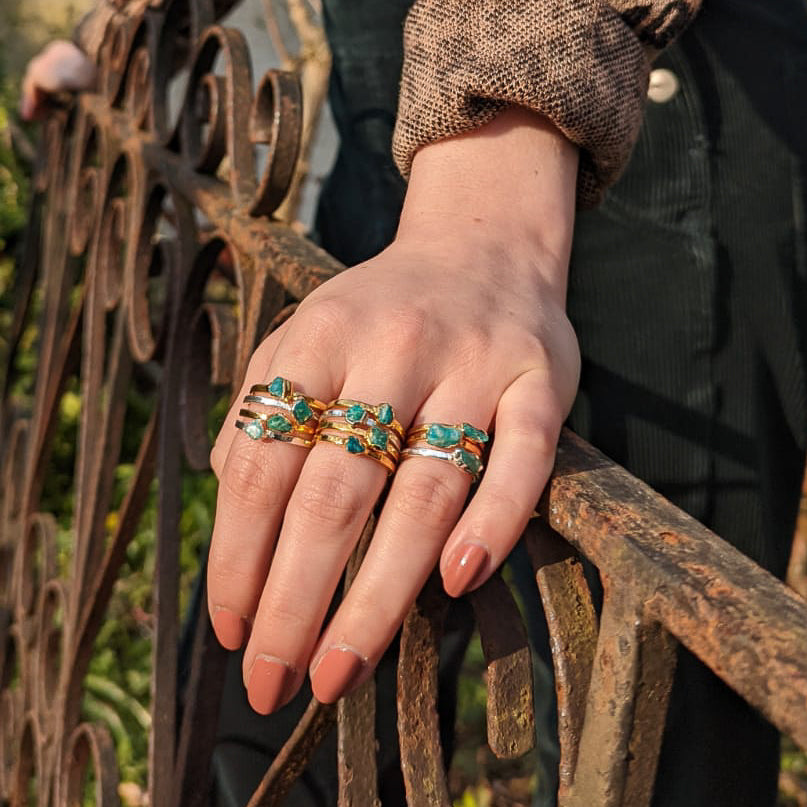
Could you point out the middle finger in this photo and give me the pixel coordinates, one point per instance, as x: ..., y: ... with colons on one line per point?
x: 327, y: 510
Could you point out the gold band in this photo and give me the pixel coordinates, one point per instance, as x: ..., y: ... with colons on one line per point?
x: 357, y: 412
x: 280, y: 393
x: 444, y: 435
x: 460, y: 444
x: 362, y: 429
x: 356, y: 446
x: 256, y: 429
x: 391, y: 444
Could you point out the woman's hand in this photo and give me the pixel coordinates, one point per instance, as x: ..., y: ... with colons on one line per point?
x: 461, y: 319
x: 60, y: 67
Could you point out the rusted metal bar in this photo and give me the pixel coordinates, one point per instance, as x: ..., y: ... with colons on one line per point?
x: 573, y: 628
x: 510, y: 708
x: 314, y: 725
x: 737, y: 618
x: 418, y: 726
x: 356, y: 762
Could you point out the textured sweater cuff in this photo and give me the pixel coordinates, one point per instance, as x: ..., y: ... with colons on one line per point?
x: 577, y: 62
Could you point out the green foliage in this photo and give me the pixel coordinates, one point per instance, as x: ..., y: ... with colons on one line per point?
x: 13, y: 181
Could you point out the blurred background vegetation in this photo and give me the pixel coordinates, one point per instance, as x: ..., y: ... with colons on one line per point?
x: 117, y: 688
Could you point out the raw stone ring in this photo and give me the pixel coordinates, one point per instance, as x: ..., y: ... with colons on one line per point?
x: 461, y: 444
x: 295, y: 422
x: 363, y: 429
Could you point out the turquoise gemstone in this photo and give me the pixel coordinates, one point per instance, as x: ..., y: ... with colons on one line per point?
x: 279, y: 423
x: 301, y: 411
x: 378, y: 438
x: 442, y: 436
x: 254, y: 429
x: 470, y: 461
x: 354, y: 446
x: 278, y: 387
x: 354, y: 414
x: 472, y: 433
x: 385, y: 414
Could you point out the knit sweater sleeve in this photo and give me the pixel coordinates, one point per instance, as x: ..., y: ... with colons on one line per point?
x: 583, y: 64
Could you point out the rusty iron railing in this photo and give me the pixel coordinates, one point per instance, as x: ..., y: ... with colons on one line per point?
x: 153, y: 259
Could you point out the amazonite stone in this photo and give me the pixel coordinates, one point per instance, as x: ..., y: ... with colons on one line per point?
x: 279, y: 387
x: 470, y: 461
x: 385, y: 414
x: 254, y: 430
x: 353, y: 445
x: 472, y: 433
x: 279, y: 423
x: 301, y: 411
x: 442, y: 436
x: 354, y: 414
x: 378, y: 438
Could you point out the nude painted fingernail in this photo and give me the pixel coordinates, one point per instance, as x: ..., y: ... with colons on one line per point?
x: 269, y: 684
x: 231, y: 629
x: 335, y: 674
x: 465, y: 569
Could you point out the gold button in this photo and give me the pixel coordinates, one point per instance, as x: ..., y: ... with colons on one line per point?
x: 663, y: 86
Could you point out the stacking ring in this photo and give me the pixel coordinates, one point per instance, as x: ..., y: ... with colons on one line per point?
x: 295, y: 423
x: 363, y: 430
x: 461, y: 444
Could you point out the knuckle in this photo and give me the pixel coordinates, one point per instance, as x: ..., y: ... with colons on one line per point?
x: 430, y: 498
x: 501, y: 502
x: 324, y: 320
x: 248, y: 480
x: 405, y: 328
x: 331, y: 500
x: 537, y: 433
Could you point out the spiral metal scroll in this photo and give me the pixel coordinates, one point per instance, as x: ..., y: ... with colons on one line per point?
x: 138, y: 208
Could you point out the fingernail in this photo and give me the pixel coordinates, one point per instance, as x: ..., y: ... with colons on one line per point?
x: 465, y: 569
x: 269, y: 684
x: 336, y: 672
x: 230, y: 628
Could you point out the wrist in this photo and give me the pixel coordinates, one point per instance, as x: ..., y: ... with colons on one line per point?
x: 507, y: 187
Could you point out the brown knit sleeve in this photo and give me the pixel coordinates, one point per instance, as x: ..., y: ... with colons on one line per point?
x: 581, y: 63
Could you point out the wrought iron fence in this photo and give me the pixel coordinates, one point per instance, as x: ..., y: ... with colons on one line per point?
x: 153, y: 259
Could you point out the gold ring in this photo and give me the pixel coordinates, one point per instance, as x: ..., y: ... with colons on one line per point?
x: 280, y: 393
x: 358, y: 412
x: 462, y: 445
x: 354, y: 445
x: 363, y: 430
x: 262, y: 427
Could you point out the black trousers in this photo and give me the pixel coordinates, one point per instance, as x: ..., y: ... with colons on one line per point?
x: 688, y: 296
x: 687, y: 291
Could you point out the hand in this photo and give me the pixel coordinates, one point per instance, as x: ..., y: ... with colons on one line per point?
x: 460, y: 320
x: 60, y: 67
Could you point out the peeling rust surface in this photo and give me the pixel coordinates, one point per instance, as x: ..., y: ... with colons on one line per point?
x: 573, y: 629
x: 418, y: 728
x: 737, y: 618
x: 510, y: 707
x: 356, y: 745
